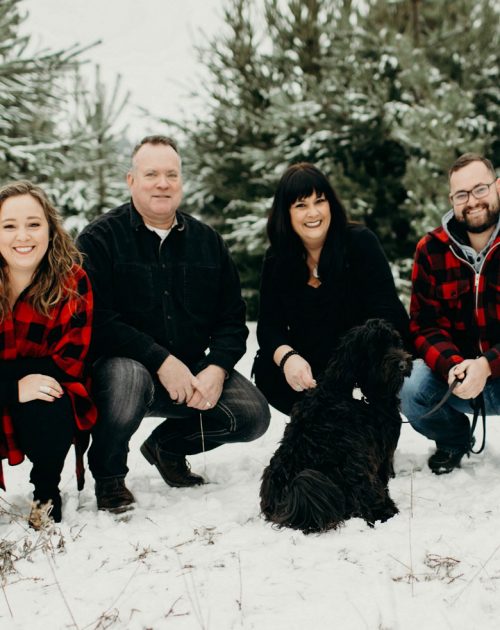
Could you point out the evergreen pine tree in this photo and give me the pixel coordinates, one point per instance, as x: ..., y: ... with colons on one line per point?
x: 381, y: 96
x: 93, y: 178
x: 29, y: 100
x: 56, y: 130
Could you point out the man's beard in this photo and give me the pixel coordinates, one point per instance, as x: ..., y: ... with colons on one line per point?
x: 491, y: 218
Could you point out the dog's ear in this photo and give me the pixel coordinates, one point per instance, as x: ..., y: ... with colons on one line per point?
x: 351, y: 360
x: 342, y: 368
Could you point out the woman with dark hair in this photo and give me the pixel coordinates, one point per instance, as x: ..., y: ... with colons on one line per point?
x: 322, y: 275
x: 45, y: 327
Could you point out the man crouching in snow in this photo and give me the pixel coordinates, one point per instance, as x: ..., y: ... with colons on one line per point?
x: 455, y: 314
x: 169, y: 328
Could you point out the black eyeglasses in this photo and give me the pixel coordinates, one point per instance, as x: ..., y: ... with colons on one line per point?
x: 478, y: 192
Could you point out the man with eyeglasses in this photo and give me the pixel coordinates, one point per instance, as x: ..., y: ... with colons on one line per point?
x: 455, y: 314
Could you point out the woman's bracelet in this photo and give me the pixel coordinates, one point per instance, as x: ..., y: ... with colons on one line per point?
x: 285, y: 358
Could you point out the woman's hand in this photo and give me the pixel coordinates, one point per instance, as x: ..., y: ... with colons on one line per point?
x: 298, y: 373
x: 39, y: 387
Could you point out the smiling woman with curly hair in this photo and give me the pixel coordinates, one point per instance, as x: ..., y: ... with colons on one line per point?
x: 45, y: 328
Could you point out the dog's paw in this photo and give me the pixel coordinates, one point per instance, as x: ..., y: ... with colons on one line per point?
x: 389, y: 510
x: 388, y: 514
x: 382, y: 513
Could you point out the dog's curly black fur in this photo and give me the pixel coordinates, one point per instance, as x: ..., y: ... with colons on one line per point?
x: 335, y: 459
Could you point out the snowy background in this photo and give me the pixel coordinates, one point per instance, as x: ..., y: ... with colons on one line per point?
x: 150, y: 45
x: 203, y: 558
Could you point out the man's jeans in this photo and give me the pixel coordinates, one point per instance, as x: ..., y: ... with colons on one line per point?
x: 125, y: 392
x: 448, y: 426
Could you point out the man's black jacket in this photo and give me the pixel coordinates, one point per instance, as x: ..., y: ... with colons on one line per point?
x: 181, y: 296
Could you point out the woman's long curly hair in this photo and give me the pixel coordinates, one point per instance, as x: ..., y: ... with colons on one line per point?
x: 51, y: 281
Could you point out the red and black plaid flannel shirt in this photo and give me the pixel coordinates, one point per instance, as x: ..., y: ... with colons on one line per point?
x: 454, y: 311
x: 65, y: 337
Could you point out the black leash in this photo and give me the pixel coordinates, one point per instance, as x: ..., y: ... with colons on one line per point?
x: 477, y: 405
x: 443, y: 399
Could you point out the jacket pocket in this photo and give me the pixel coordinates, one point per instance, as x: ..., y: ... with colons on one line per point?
x: 454, y: 290
x: 134, y: 287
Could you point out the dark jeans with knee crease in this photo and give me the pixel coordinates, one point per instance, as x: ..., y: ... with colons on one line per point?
x: 125, y: 393
x: 44, y: 431
x: 449, y: 427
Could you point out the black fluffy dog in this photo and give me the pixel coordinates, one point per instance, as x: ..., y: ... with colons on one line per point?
x: 335, y: 459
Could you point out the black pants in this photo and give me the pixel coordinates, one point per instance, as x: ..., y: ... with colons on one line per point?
x: 125, y: 393
x: 272, y: 383
x: 44, y: 432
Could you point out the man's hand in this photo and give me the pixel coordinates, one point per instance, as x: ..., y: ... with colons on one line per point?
x: 177, y: 379
x: 207, y: 393
x: 473, y: 374
x: 298, y: 373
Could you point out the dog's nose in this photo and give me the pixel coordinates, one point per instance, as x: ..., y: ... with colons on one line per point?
x: 403, y: 365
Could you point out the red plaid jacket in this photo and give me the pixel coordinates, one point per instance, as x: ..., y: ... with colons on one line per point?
x: 65, y: 337
x: 454, y: 312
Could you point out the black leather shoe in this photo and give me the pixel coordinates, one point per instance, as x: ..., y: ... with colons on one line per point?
x: 173, y: 468
x: 113, y: 495
x: 443, y: 462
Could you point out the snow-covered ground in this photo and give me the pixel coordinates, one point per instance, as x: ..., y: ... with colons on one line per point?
x: 203, y: 558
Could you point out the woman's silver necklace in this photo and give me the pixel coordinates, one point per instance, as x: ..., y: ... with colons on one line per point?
x: 315, y: 272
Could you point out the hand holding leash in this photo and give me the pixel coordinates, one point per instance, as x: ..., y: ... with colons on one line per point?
x: 472, y: 375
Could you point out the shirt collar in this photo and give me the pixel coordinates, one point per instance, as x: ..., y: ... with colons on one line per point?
x: 136, y: 220
x: 458, y: 235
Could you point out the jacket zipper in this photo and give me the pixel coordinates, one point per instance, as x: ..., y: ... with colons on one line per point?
x: 477, y: 278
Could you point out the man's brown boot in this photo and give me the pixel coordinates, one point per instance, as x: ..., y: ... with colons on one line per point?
x: 173, y: 468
